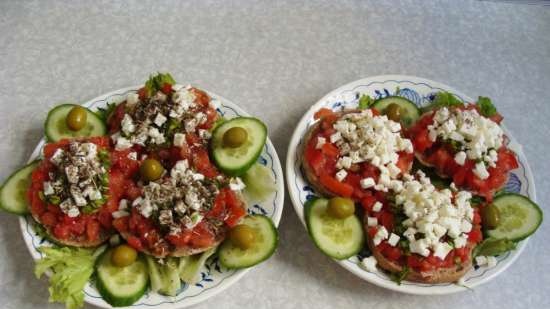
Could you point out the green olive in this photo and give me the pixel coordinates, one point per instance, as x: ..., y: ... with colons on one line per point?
x: 76, y: 118
x: 123, y: 255
x: 490, y: 216
x: 151, y: 170
x: 340, y: 207
x: 242, y: 236
x: 394, y: 112
x: 234, y: 137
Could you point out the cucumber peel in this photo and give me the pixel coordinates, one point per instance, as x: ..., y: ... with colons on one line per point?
x: 56, y: 128
x: 13, y: 193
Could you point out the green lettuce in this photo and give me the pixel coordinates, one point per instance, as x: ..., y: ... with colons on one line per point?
x: 71, y: 269
x: 486, y: 107
x: 156, y: 82
x: 365, y: 101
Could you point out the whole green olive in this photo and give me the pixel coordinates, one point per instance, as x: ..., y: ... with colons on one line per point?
x: 242, y: 236
x: 151, y: 170
x: 123, y: 255
x: 394, y: 112
x: 76, y: 118
x: 340, y: 207
x: 490, y: 216
x: 234, y: 137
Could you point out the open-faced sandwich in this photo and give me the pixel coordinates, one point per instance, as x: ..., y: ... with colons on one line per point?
x: 465, y: 142
x: 165, y: 189
x: 351, y: 152
x: 413, y: 226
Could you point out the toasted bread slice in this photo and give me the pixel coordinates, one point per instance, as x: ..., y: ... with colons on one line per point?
x: 442, y: 275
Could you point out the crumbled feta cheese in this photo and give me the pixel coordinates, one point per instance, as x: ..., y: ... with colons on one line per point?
x: 441, y: 249
x: 127, y: 124
x: 344, y: 162
x: 236, y: 184
x: 369, y: 264
x: 71, y: 172
x: 335, y: 137
x: 190, y: 125
x: 460, y: 158
x: 420, y: 247
x: 73, y: 212
x: 393, y: 240
x: 367, y: 182
x: 57, y: 156
x: 132, y: 155
x: 48, y: 189
x: 380, y: 235
x: 372, y: 221
x: 461, y: 241
x: 132, y: 99
x: 179, y: 139
x: 320, y: 142
x: 122, y: 143
x: 204, y: 134
x: 120, y: 213
x: 160, y: 119
x: 341, y: 175
x: 481, y: 171
x: 123, y: 204
x: 377, y: 206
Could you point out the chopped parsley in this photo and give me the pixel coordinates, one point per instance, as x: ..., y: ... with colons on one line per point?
x: 486, y: 107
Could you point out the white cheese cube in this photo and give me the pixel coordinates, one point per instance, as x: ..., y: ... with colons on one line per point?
x: 236, y: 184
x: 394, y: 238
x: 335, y: 137
x: 481, y: 171
x: 48, y: 188
x: 127, y: 124
x: 491, y: 261
x: 366, y: 183
x: 372, y: 221
x: 132, y: 99
x: 369, y: 264
x: 481, y: 260
x: 460, y: 158
x: 120, y: 213
x: 57, y: 156
x: 377, y: 206
x: 73, y: 212
x: 341, y: 175
x: 122, y: 143
x: 442, y: 249
x: 461, y: 241
x: 160, y: 119
x: 179, y: 139
x: 419, y: 246
x: 320, y: 142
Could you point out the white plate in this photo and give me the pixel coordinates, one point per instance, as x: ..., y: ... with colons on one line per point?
x: 420, y: 91
x: 214, y: 278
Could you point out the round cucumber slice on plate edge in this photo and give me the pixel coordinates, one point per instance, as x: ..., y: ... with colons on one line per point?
x: 121, y: 286
x: 13, y: 193
x: 56, y: 129
x: 337, y: 238
x: 264, y: 246
x: 519, y: 217
x: 412, y: 112
x: 236, y: 161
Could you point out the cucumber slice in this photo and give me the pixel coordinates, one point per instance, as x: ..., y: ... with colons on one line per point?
x: 337, y: 238
x: 236, y: 161
x: 410, y: 112
x: 264, y: 245
x: 189, y: 266
x: 259, y: 182
x: 121, y: 286
x: 13, y: 193
x: 519, y: 217
x: 56, y: 128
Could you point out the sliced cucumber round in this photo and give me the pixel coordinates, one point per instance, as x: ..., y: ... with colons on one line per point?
x: 121, y: 286
x: 519, y: 217
x: 56, y: 127
x: 337, y: 238
x: 236, y: 161
x: 409, y: 111
x: 13, y: 193
x: 264, y: 245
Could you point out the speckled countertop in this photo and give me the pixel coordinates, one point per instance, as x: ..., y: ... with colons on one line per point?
x: 275, y: 59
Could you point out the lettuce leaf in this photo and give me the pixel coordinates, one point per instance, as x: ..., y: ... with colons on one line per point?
x: 486, y: 107
x: 71, y: 269
x: 156, y: 82
x: 259, y: 182
x: 365, y: 101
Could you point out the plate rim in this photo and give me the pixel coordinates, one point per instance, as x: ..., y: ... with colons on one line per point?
x: 295, y: 142
x: 226, y: 282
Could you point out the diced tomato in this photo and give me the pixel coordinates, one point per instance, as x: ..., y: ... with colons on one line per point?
x: 475, y: 235
x: 122, y: 163
x: 372, y: 231
x: 121, y: 224
x: 335, y: 186
x: 115, y: 118
x: 477, y: 218
x: 323, y: 112
x: 462, y: 253
x: 181, y: 239
x: 235, y: 208
x: 201, y: 97
x: 92, y: 230
x: 192, y: 139
x: 422, y: 141
x: 386, y: 219
x: 166, y: 88
x: 330, y: 150
x: 392, y: 253
x: 507, y: 159
x: 61, y: 231
x: 48, y: 219
x: 202, y: 236
x: 202, y: 163
x: 404, y: 162
x: 135, y: 243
